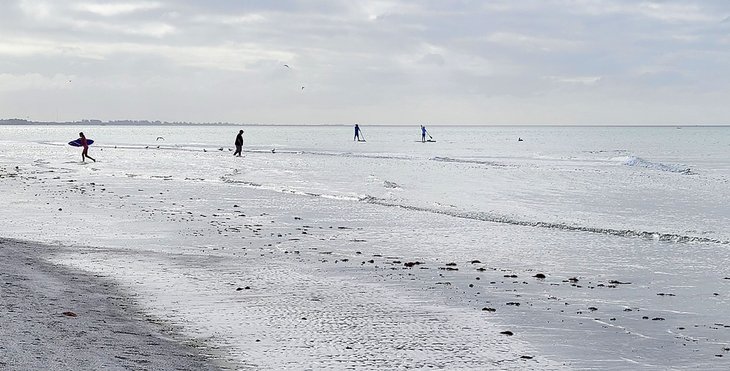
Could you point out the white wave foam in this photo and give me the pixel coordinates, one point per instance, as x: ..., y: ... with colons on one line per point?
x: 467, y: 161
x: 640, y: 162
x: 496, y: 218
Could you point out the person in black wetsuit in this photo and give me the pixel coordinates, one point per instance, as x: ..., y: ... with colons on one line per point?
x: 239, y: 143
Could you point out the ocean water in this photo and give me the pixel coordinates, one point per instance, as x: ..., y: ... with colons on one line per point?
x: 626, y: 222
x: 668, y: 182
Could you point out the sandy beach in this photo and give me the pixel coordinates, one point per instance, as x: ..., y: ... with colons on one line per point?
x: 57, y: 318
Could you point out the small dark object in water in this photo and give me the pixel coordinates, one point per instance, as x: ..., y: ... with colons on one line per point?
x: 508, y: 333
x: 488, y: 309
x: 540, y: 276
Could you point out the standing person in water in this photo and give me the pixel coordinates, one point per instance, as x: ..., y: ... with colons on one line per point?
x: 423, y: 134
x: 357, y: 133
x: 85, y: 144
x: 239, y: 143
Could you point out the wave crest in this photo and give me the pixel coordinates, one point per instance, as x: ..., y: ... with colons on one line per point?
x: 640, y: 162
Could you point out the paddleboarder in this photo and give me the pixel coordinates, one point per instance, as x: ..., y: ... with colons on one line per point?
x: 239, y: 143
x: 423, y: 134
x: 357, y: 133
x: 85, y: 152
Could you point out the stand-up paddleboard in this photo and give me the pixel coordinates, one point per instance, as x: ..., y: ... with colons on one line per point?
x: 428, y: 141
x: 77, y: 142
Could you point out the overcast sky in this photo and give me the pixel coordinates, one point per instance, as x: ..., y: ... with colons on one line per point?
x: 373, y: 62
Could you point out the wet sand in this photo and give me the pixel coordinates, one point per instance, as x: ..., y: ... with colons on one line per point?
x: 56, y: 318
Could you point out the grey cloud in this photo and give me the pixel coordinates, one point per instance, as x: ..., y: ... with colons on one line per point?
x: 380, y: 59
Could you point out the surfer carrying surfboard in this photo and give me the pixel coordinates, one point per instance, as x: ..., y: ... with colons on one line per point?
x: 85, y: 144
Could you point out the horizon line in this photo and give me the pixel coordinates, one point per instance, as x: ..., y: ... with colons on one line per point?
x: 25, y: 122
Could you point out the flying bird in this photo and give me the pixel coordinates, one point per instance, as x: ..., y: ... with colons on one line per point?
x: 302, y: 88
x: 287, y: 66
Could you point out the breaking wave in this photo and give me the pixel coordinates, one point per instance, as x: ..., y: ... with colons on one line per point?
x: 640, y: 162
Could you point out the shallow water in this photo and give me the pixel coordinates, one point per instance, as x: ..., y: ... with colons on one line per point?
x: 649, y: 206
x: 660, y: 180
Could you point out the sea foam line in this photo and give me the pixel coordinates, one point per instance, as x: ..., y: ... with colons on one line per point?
x: 495, y: 218
x: 468, y: 161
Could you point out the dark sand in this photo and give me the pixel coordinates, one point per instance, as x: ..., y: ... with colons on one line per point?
x: 101, y: 327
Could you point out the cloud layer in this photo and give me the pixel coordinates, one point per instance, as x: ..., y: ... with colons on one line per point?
x: 386, y: 62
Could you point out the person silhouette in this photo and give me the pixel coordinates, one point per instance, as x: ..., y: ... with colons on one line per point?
x: 357, y: 133
x: 85, y: 144
x: 239, y: 143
